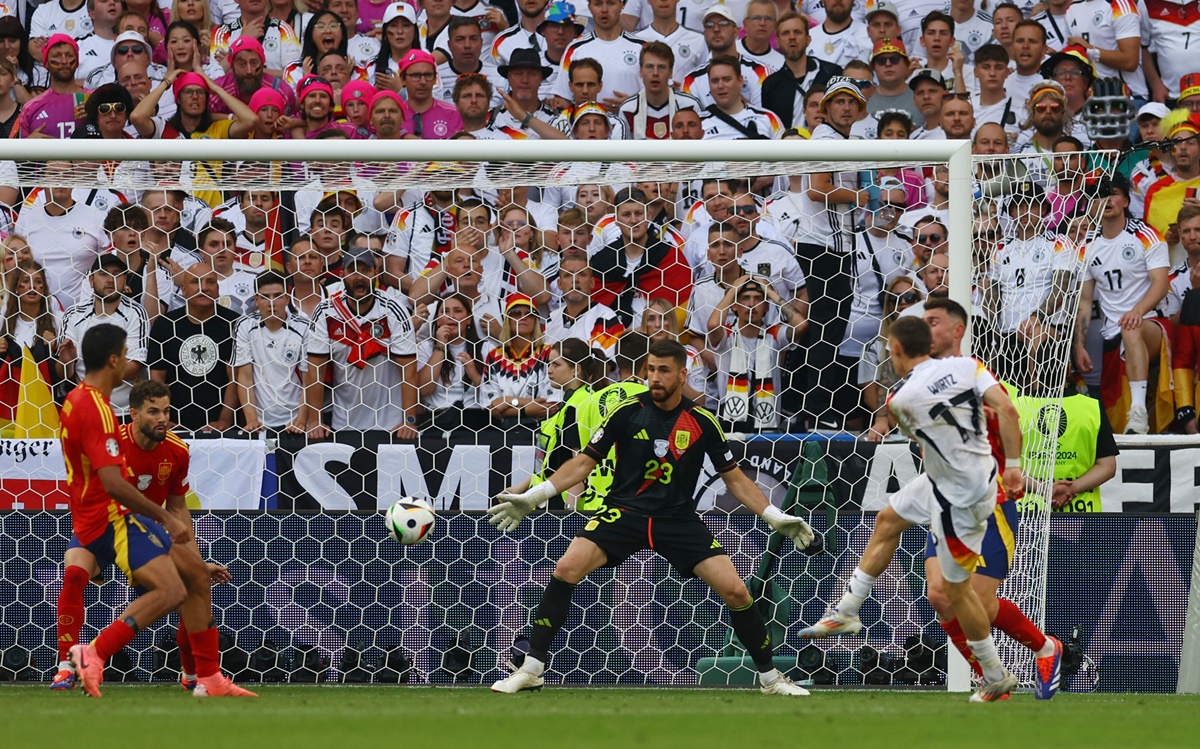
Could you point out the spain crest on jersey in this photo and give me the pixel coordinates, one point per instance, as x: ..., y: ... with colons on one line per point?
x: 164, y: 472
x: 683, y: 440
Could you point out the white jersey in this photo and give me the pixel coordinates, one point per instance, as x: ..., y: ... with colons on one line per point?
x: 791, y: 215
x: 656, y: 120
x: 512, y: 39
x: 51, y: 18
x: 877, y: 262
x: 129, y: 316
x: 459, y: 392
x: 973, y: 34
x: 940, y: 404
x: 753, y: 75
x: 774, y: 261
x: 1121, y: 269
x: 689, y: 13
x: 689, y: 47
x: 911, y: 13
x: 448, y: 76
x: 366, y: 390
x: 815, y: 10
x: 279, y: 360
x: 1024, y: 271
x: 619, y: 59
x: 1102, y: 23
x: 832, y: 223
x: 752, y: 119
x: 236, y: 292
x: 67, y: 245
x: 840, y: 47
x: 479, y: 10
x: 706, y: 295
x: 1057, y: 31
x: 280, y: 42
x: 597, y: 326
x: 771, y: 59
x: 1181, y: 284
x: 1168, y: 28
x: 94, y: 52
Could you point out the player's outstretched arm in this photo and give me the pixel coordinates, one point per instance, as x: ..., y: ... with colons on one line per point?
x: 748, y: 493
x: 1010, y: 436
x: 513, y: 507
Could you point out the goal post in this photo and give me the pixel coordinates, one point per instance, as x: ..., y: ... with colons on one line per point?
x: 319, y: 579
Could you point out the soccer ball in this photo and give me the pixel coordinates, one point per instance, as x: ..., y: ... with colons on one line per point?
x: 410, y: 520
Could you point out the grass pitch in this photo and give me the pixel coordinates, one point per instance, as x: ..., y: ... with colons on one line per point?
x: 297, y: 717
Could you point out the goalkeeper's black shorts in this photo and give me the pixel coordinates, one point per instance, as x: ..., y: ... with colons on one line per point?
x: 684, y: 541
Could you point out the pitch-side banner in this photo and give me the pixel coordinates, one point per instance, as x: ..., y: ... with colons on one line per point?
x: 367, y: 471
x: 226, y: 474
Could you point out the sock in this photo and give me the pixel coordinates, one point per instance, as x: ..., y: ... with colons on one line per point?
x: 958, y: 639
x: 858, y: 587
x: 551, y: 615
x: 533, y: 665
x: 187, y: 663
x: 1137, y: 393
x: 112, y: 638
x: 1012, y: 621
x: 70, y: 609
x: 989, y: 659
x: 206, y: 648
x: 751, y: 629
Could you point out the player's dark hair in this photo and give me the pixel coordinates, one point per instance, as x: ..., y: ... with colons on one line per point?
x: 720, y: 227
x: 588, y: 64
x: 913, y: 335
x: 148, y: 390
x: 99, y: 343
x: 729, y: 60
x: 591, y: 362
x: 1010, y: 6
x: 631, y: 352
x: 949, y: 306
x: 673, y: 350
x: 268, y: 278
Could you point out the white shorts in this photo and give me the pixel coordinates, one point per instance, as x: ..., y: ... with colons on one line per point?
x: 957, y: 531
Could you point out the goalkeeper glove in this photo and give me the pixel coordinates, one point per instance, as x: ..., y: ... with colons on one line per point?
x: 513, y: 507
x: 789, y: 525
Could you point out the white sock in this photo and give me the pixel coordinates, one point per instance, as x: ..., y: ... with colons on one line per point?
x: 533, y: 666
x: 858, y: 587
x: 767, y: 678
x: 1137, y: 393
x: 190, y: 677
x: 1046, y: 651
x: 985, y: 652
x: 66, y: 666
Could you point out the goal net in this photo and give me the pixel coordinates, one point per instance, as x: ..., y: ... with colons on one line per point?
x: 438, y: 281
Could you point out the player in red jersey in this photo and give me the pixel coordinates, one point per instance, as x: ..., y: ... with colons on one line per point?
x: 114, y: 523
x: 948, y: 322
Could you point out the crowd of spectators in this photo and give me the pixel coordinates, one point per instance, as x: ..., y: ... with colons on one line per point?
x: 346, y: 306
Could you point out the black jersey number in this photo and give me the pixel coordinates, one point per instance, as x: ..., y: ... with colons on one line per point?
x: 1110, y: 275
x: 1020, y: 277
x: 660, y: 472
x: 942, y: 411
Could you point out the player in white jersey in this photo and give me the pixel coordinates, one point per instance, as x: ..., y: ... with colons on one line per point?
x: 1168, y: 29
x: 370, y: 343
x: 1031, y: 273
x: 941, y: 405
x: 270, y: 357
x: 1111, y: 31
x: 1127, y: 273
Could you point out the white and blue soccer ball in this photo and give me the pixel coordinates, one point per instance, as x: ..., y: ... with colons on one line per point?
x: 410, y: 520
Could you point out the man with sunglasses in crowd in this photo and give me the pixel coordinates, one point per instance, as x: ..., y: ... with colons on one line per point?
x: 130, y: 46
x: 1048, y: 121
x: 889, y: 63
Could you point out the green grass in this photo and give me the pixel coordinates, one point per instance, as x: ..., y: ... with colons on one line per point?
x: 131, y: 717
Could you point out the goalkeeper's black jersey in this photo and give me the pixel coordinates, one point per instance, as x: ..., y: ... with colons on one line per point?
x: 660, y: 454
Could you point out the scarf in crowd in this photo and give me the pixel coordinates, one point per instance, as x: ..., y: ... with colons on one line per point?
x: 362, y: 339
x: 750, y: 387
x: 642, y: 112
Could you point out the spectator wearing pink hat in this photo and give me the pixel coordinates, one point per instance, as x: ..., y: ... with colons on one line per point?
x: 192, y: 119
x: 270, y: 109
x: 427, y: 118
x: 57, y: 111
x: 316, y: 100
x: 247, y: 75
x: 279, y: 40
x: 355, y: 98
x: 387, y: 116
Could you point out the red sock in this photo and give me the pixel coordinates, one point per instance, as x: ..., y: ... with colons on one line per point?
x: 958, y: 638
x: 187, y: 663
x: 112, y: 638
x: 206, y: 647
x: 70, y: 609
x: 1016, y: 625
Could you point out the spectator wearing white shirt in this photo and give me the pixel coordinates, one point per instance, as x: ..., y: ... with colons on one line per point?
x: 270, y: 357
x: 840, y: 38
x: 450, y: 368
x: 1111, y: 32
x: 759, y: 26
x: 49, y: 217
x: 579, y: 317
x: 95, y: 49
x: 929, y: 91
x: 688, y: 46
x: 1027, y: 49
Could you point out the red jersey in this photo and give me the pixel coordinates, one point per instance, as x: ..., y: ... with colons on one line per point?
x: 90, y: 441
x: 160, y: 472
x: 993, y: 435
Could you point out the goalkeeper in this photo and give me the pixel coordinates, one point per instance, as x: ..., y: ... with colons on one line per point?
x: 661, y: 440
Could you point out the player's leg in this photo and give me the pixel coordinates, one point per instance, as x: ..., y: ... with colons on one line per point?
x: 80, y: 566
x: 748, y: 623
x: 140, y: 548
x: 580, y: 558
x: 936, y: 592
x: 1141, y: 347
x: 843, y: 619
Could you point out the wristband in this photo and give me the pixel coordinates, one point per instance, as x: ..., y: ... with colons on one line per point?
x: 542, y: 493
x: 774, y: 513
x: 1012, y: 463
x: 526, y: 120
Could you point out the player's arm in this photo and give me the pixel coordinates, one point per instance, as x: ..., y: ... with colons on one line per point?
x: 752, y: 498
x: 1083, y: 318
x: 513, y: 507
x: 407, y: 365
x: 1010, y: 435
x: 126, y: 494
x: 821, y: 190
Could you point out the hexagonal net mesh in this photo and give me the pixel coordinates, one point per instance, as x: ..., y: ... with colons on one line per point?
x: 336, y: 336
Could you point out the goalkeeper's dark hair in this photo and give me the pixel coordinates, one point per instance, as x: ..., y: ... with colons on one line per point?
x: 673, y: 350
x: 913, y: 335
x: 591, y: 362
x: 949, y: 306
x: 631, y: 353
x: 148, y: 390
x: 99, y: 343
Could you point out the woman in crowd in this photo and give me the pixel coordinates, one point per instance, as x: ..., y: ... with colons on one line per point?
x: 184, y: 48
x: 399, y: 37
x: 518, y: 229
x: 10, y: 106
x: 450, y: 369
x: 516, y: 388
x: 153, y: 13
x: 14, y: 45
x: 660, y: 322
x: 199, y: 15
x: 1066, y: 182
x: 295, y: 13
